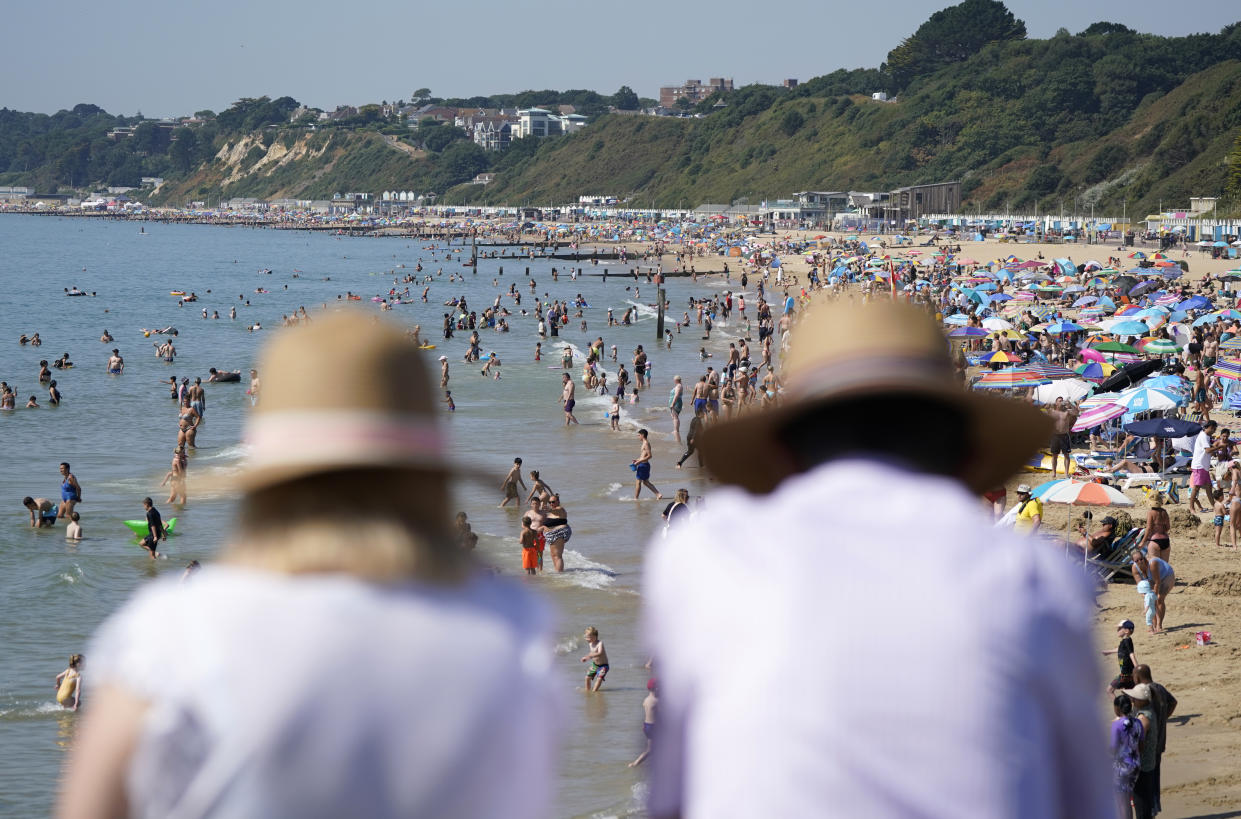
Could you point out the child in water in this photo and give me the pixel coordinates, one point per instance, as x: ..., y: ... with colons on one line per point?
x: 598, y: 657
x: 614, y: 413
x: 69, y: 684
x: 452, y: 406
x: 74, y: 530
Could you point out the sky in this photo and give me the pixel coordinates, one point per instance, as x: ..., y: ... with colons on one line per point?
x: 174, y: 57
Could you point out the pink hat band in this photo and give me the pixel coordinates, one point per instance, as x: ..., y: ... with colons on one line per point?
x: 341, y: 438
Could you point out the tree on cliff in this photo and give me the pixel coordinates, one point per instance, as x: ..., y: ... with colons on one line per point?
x: 625, y: 99
x: 951, y: 35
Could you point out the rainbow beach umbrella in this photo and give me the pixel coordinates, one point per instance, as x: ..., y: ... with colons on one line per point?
x: 1011, y: 379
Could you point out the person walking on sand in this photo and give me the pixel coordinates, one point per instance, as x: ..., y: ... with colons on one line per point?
x: 807, y: 468
x: 642, y: 467
x: 566, y: 399
x: 509, y: 485
x: 1200, y: 467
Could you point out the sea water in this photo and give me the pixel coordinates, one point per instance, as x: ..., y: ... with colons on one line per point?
x: 118, y: 433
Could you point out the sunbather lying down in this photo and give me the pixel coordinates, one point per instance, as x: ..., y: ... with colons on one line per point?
x: 1127, y: 465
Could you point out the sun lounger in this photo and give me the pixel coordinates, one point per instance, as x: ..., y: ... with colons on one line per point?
x: 1119, y: 557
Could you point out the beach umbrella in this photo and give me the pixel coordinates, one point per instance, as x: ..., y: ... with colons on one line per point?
x: 1163, y: 428
x: 967, y: 332
x: 1064, y: 327
x: 1129, y: 327
x: 1012, y: 335
x: 1147, y: 399
x: 1095, y: 370
x: 1144, y: 287
x: 1010, y: 379
x: 1158, y: 346
x: 1194, y: 303
x: 1231, y: 344
x: 1070, y: 389
x: 1099, y: 414
x: 957, y: 319
x: 1130, y: 375
x: 1115, y: 347
x: 1053, y: 371
x: 1000, y: 357
x: 1085, y: 301
x: 1083, y: 493
x: 996, y: 324
x: 1229, y: 368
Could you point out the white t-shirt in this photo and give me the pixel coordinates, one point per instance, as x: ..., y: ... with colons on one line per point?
x: 1201, y: 458
x: 325, y: 696
x: 863, y: 642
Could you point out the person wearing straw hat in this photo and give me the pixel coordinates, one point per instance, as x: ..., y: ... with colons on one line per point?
x: 343, y: 657
x: 887, y: 568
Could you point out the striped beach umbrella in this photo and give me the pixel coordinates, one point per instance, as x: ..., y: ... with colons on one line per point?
x: 1052, y: 371
x: 967, y: 332
x: 1229, y: 368
x: 1233, y: 343
x: 1085, y: 493
x: 1011, y: 379
x: 1092, y: 417
x: 1158, y: 346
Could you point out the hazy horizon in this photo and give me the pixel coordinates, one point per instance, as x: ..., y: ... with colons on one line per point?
x: 166, y: 59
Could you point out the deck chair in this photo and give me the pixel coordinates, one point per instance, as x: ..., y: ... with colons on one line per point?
x: 1119, y: 557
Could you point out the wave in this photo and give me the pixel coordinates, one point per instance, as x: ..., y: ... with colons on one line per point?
x: 234, y: 452
x: 642, y: 310
x: 567, y: 645
x: 580, y: 570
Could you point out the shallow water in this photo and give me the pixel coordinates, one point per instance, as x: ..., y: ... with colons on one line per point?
x: 118, y: 432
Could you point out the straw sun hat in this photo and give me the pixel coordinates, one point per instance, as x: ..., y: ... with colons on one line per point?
x: 844, y: 351
x: 343, y: 392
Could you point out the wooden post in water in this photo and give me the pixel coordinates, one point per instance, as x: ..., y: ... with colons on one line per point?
x: 659, y: 315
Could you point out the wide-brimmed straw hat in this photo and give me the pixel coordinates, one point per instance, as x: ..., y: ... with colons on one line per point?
x: 343, y: 392
x: 843, y: 351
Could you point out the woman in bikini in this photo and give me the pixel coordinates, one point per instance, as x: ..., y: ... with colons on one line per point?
x: 1157, y: 540
x: 556, y: 531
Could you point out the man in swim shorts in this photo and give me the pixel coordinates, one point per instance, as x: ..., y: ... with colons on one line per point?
x: 509, y: 484
x: 116, y: 364
x: 42, y: 512
x: 155, y: 528
x: 1063, y: 417
x: 642, y: 467
x: 566, y: 398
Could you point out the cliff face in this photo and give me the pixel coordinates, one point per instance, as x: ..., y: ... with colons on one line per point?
x: 298, y: 165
